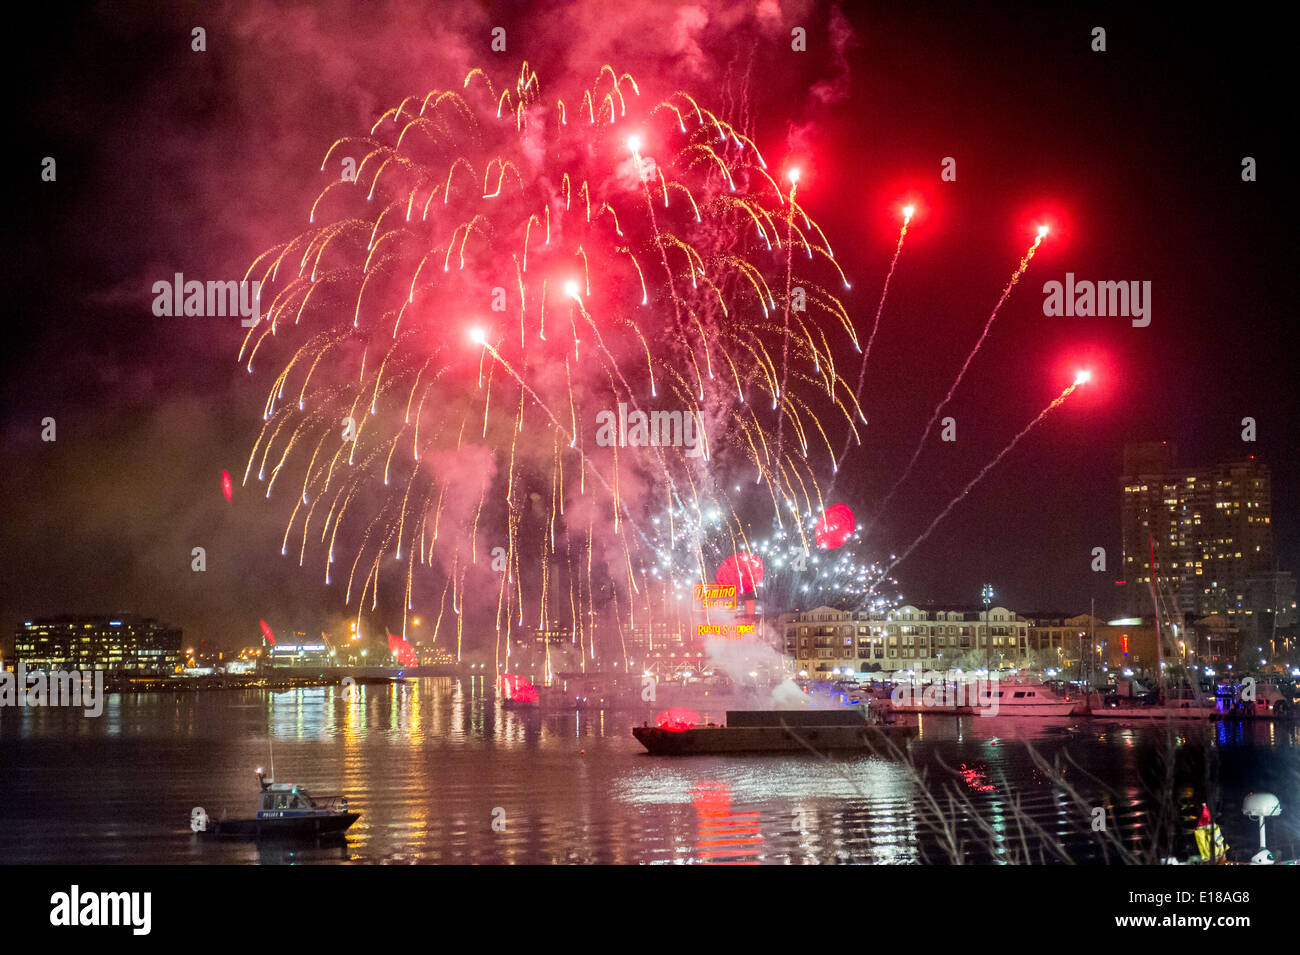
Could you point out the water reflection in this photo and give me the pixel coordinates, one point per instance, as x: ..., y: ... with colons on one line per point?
x: 441, y: 773
x: 724, y: 835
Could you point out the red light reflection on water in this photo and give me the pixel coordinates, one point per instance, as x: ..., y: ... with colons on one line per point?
x: 728, y: 837
x: 976, y: 779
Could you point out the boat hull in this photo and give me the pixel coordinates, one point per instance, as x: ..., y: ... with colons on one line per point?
x: 1030, y: 710
x: 1122, y: 713
x: 293, y: 827
x: 521, y: 705
x: 1003, y: 711
x: 713, y: 740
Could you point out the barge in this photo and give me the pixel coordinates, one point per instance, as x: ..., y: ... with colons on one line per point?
x: 820, y: 729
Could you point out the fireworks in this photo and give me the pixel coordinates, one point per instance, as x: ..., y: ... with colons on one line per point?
x: 938, y: 409
x: 496, y: 273
x: 801, y: 578
x: 503, y: 266
x: 1082, y: 378
x: 797, y: 574
x: 908, y: 212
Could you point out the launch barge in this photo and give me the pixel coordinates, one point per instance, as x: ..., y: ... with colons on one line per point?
x: 773, y: 731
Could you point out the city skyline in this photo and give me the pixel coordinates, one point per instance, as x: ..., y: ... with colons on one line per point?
x: 106, y: 517
x: 1124, y: 597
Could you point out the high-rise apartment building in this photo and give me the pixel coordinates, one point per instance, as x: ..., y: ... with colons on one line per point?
x: 1212, y: 530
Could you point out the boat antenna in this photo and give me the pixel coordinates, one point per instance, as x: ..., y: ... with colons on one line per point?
x: 1092, y: 640
x: 1155, y: 602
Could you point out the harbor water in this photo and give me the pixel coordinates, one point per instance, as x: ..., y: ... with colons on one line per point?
x: 441, y: 772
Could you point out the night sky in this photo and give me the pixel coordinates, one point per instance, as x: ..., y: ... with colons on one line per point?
x: 171, y: 161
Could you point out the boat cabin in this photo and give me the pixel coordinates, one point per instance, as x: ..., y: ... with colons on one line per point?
x: 282, y: 796
x: 287, y: 799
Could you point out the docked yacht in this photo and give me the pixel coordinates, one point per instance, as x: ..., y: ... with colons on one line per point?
x: 1016, y: 697
x: 1020, y: 698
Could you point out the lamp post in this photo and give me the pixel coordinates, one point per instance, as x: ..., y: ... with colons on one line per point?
x: 986, y: 594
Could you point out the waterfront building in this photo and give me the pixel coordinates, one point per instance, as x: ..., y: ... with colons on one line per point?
x: 89, y: 642
x: 540, y: 652
x: 826, y: 642
x: 1213, y: 641
x: 1268, y: 604
x: 432, y: 656
x: 1063, y: 641
x: 668, y: 663
x: 645, y: 640
x: 1088, y: 647
x: 1126, y: 643
x: 202, y: 654
x: 300, y: 655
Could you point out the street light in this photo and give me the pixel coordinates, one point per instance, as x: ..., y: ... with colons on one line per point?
x: 986, y: 594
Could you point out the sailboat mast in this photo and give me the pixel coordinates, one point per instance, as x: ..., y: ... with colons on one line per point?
x: 1155, y: 603
x: 1092, y: 637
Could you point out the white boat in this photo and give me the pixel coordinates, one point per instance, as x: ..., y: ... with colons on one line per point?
x: 1017, y: 697
x: 946, y: 699
x: 1021, y: 698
